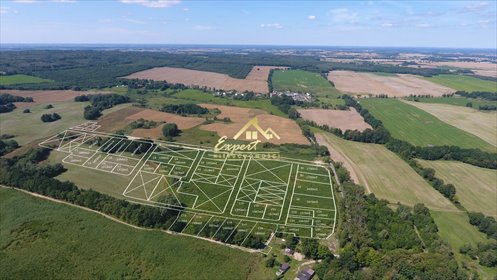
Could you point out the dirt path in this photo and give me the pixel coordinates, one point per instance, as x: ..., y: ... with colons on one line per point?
x: 127, y: 224
x: 338, y: 155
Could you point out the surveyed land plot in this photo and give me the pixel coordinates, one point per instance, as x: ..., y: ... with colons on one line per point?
x: 221, y: 196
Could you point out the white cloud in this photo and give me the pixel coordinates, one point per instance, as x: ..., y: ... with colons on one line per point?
x: 64, y: 1
x: 476, y: 6
x: 343, y: 15
x: 25, y: 1
x: 423, y: 25
x: 387, y: 24
x: 202, y: 27
x: 153, y: 3
x: 4, y: 10
x: 271, y: 25
x: 186, y: 9
x: 311, y: 17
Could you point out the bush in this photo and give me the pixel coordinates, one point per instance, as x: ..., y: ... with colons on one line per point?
x: 50, y: 117
x: 170, y: 130
x: 49, y: 106
x: 26, y: 110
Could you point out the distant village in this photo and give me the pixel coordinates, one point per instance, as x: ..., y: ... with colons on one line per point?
x: 297, y: 96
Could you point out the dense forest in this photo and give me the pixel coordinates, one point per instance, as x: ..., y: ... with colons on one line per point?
x: 184, y: 109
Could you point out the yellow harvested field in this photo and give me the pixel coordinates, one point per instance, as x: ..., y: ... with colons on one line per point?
x: 286, y: 129
x: 476, y: 187
x: 344, y: 120
x: 48, y: 96
x: 386, y: 175
x: 480, y: 68
x: 399, y: 85
x: 255, y: 81
x: 121, y: 118
x: 478, y: 123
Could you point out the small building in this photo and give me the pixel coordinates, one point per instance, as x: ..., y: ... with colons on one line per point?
x: 305, y: 274
x: 288, y: 252
x: 283, y: 268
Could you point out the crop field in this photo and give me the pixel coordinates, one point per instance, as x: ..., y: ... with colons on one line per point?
x: 466, y: 83
x: 482, y: 124
x: 222, y: 195
x: 383, y: 173
x: 304, y: 81
x: 457, y: 101
x: 344, y: 120
x: 41, y: 239
x: 475, y: 186
x: 408, y: 123
x: 21, y: 79
x: 255, y: 81
x: 48, y: 96
x: 399, y: 85
x: 480, y: 68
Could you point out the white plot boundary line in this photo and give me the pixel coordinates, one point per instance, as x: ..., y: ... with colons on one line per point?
x: 156, y: 143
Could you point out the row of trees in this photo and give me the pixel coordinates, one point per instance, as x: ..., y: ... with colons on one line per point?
x: 485, y: 224
x: 7, y: 102
x: 184, y: 109
x: 100, y: 102
x: 478, y: 94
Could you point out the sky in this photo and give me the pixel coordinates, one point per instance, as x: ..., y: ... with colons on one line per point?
x: 455, y: 24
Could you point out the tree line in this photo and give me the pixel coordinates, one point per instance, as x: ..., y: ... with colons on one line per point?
x: 100, y: 102
x: 184, y: 109
x: 7, y: 102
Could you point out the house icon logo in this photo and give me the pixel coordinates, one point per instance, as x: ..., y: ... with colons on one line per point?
x: 252, y: 130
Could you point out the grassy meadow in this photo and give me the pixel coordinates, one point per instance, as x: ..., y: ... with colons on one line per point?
x: 46, y: 240
x: 454, y: 228
x: 408, y: 123
x: 482, y: 124
x: 6, y: 80
x: 304, y: 81
x: 466, y: 83
x: 457, y: 101
x: 387, y: 176
x: 475, y: 186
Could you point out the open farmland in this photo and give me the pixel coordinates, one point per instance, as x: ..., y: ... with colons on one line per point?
x: 408, y: 123
x: 225, y: 197
x: 20, y: 79
x: 455, y: 229
x: 475, y: 186
x: 397, y: 85
x: 456, y: 101
x: 466, y: 83
x: 480, y: 68
x: 479, y: 123
x: 386, y: 175
x: 38, y: 241
x: 255, y: 81
x: 344, y: 120
x: 287, y: 129
x: 48, y: 96
x: 304, y: 81
x: 121, y: 118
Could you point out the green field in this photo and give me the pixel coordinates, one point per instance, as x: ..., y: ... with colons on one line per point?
x: 454, y: 228
x: 203, y: 97
x: 408, y: 123
x: 458, y: 101
x: 466, y: 83
x: 475, y: 186
x: 304, y: 81
x: 28, y: 127
x: 257, y: 194
x: 21, y: 79
x: 47, y: 240
x: 386, y: 175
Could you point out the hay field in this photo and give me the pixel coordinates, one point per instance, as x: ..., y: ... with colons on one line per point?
x: 121, y: 118
x: 466, y: 83
x: 335, y: 118
x: 478, y: 123
x: 475, y: 186
x: 386, y: 175
x: 395, y: 86
x: 48, y: 96
x: 21, y: 79
x: 287, y: 129
x: 255, y: 81
x: 480, y: 68
x: 411, y: 124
